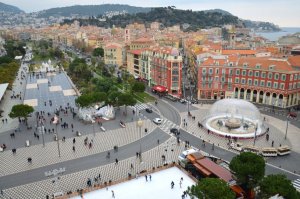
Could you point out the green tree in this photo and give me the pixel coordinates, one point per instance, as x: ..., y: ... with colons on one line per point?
x: 21, y: 110
x: 249, y: 169
x: 98, y: 52
x: 277, y: 184
x: 212, y: 188
x: 126, y: 99
x: 138, y: 87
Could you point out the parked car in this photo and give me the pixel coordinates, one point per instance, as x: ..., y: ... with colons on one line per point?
x: 157, y: 120
x: 292, y: 114
x: 149, y: 110
x: 183, y: 101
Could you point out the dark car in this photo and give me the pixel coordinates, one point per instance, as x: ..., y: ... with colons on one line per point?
x: 292, y: 114
x: 149, y: 110
x: 174, y: 131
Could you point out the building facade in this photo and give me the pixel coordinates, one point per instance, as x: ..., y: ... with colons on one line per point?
x: 266, y: 81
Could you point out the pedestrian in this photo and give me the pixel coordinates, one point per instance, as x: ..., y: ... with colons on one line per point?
x: 131, y: 166
x: 150, y: 177
x: 29, y: 160
x: 73, y: 148
x: 157, y: 141
x: 74, y: 140
x: 2, y: 192
x: 90, y: 145
x: 172, y: 185
x: 112, y: 194
x: 117, y: 161
x: 180, y: 183
x: 272, y: 143
x: 146, y: 177
x: 6, y: 120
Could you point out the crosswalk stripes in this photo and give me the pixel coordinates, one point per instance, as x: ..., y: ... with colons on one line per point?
x: 296, y: 184
x: 140, y: 107
x: 166, y: 125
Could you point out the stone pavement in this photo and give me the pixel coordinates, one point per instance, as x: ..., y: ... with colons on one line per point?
x: 18, y: 88
x: 277, y: 131
x: 43, y: 156
x: 113, y: 172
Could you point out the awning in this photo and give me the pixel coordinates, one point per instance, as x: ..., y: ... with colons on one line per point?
x: 159, y: 88
x: 202, y: 169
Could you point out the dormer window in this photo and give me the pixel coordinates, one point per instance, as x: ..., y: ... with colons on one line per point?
x: 271, y: 67
x: 245, y: 65
x: 230, y: 64
x: 258, y: 66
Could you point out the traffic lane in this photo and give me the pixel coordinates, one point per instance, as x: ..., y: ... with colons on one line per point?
x: 228, y: 155
x: 148, y: 142
x: 169, y: 112
x: 288, y: 162
x: 180, y: 106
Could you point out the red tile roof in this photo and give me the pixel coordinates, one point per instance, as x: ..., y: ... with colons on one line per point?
x: 238, y: 52
x: 294, y: 60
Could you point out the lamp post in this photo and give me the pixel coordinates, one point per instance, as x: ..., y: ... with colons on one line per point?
x: 42, y: 129
x: 256, y: 126
x: 140, y: 124
x: 56, y: 122
x: 287, y: 125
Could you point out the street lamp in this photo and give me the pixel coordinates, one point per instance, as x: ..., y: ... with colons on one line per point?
x: 256, y: 126
x: 140, y: 124
x: 287, y: 125
x: 56, y: 122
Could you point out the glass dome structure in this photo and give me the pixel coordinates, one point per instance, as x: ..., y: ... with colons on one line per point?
x: 235, y: 118
x: 236, y: 108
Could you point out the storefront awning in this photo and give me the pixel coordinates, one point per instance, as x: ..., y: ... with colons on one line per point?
x: 159, y: 88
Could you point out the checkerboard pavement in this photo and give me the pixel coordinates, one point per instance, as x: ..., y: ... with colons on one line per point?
x: 43, y: 156
x: 113, y: 172
x: 192, y: 127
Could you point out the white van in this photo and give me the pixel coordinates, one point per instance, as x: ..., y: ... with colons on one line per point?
x: 182, y: 158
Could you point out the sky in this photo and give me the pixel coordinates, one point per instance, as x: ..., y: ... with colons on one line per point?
x: 284, y: 13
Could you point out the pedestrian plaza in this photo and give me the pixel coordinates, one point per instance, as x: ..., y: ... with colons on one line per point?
x: 48, y: 174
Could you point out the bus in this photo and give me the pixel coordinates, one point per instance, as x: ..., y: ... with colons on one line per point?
x: 283, y: 150
x: 252, y: 149
x: 269, y: 152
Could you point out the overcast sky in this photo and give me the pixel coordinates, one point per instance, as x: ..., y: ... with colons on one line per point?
x: 285, y: 13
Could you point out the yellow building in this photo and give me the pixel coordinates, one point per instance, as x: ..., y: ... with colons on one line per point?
x: 113, y: 54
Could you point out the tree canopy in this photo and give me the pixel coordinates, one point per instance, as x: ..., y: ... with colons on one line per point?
x: 86, y: 100
x: 138, y: 87
x: 98, y: 52
x: 126, y: 99
x: 277, y: 184
x: 21, y: 110
x: 212, y: 188
x: 249, y: 168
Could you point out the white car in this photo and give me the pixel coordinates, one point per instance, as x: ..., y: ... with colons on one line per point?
x: 157, y: 120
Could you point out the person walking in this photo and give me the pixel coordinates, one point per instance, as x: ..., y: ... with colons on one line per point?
x: 172, y: 185
x: 73, y: 148
x: 150, y: 177
x: 74, y: 140
x: 112, y: 194
x: 117, y: 161
x: 180, y: 183
x: 146, y: 177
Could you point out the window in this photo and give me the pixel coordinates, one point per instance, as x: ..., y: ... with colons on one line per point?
x: 263, y: 75
x: 270, y: 75
x: 249, y: 82
x: 243, y: 81
x: 290, y: 86
x: 269, y: 84
x: 216, y: 78
x: 204, y: 70
x: 237, y: 72
x: 237, y: 80
x: 283, y: 77
x: 291, y: 77
x: 256, y: 74
x: 210, y: 71
x: 294, y: 85
x: 255, y: 82
x: 250, y: 73
x: 295, y: 77
x: 223, y: 79
x: 217, y: 71
x: 230, y: 71
x: 275, y: 85
x: 244, y: 72
x: 257, y: 66
x: 262, y: 83
x: 282, y: 85
x: 276, y: 76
